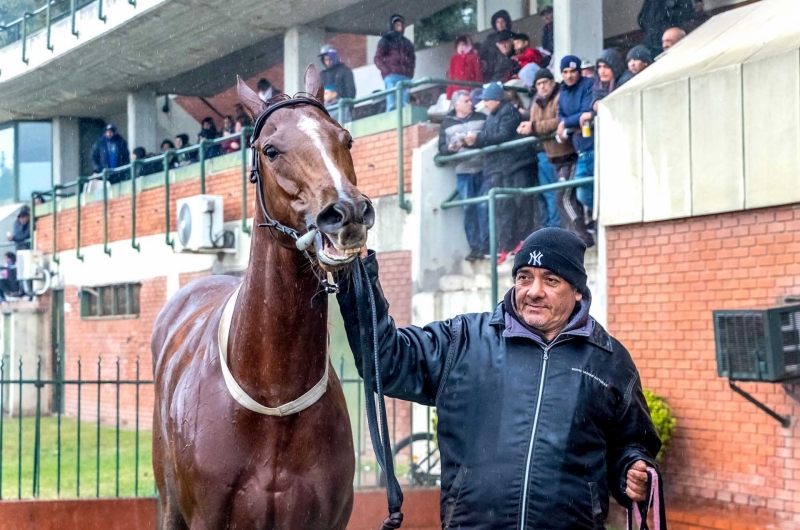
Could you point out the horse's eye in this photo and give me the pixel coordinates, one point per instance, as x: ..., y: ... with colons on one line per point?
x: 271, y: 153
x: 350, y: 143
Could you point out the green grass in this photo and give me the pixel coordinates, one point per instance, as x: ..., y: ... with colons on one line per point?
x: 48, y: 488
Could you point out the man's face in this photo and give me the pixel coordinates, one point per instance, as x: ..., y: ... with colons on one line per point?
x: 500, y: 24
x: 23, y: 219
x: 604, y: 73
x: 398, y: 27
x: 178, y: 143
x: 491, y: 104
x: 587, y: 72
x: 505, y: 46
x: 570, y: 75
x: 547, y: 18
x: 109, y: 134
x: 670, y: 38
x: 327, y: 60
x: 636, y: 66
x: 544, y: 87
x: 698, y: 6
x: 463, y: 106
x: 545, y: 301
x: 331, y: 95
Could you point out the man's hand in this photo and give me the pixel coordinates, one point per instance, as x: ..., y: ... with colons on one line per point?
x: 524, y: 128
x: 586, y: 117
x: 470, y: 138
x: 561, y: 129
x: 636, y: 487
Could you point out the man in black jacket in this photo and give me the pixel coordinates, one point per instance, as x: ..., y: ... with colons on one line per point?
x: 541, y: 411
x: 110, y: 151
x: 512, y: 168
x: 336, y: 73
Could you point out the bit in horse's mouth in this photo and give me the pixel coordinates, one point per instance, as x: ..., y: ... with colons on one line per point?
x: 330, y: 254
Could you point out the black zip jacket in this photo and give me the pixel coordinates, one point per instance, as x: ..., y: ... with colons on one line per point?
x: 531, y: 435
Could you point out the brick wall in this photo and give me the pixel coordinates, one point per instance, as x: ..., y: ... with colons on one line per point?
x: 375, y: 159
x: 664, y: 279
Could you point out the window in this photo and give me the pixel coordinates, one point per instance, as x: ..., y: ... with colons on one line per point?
x: 26, y: 159
x: 110, y: 301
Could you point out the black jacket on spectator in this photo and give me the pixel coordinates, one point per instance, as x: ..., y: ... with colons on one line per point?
x: 657, y: 16
x: 395, y: 54
x: 21, y: 235
x: 100, y: 152
x: 501, y: 126
x: 496, y: 66
x: 341, y: 76
x: 489, y: 377
x: 452, y: 126
x: 547, y: 37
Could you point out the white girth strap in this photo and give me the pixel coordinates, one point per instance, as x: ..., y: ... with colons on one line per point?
x: 293, y: 407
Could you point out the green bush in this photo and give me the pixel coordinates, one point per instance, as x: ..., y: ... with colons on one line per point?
x: 662, y: 419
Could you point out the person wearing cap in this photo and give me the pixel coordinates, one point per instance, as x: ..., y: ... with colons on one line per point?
x: 512, y: 168
x: 336, y: 72
x: 496, y: 58
x: 523, y: 53
x: 109, y: 151
x: 541, y: 413
x: 396, y: 58
x: 588, y: 69
x: 21, y: 230
x: 639, y: 58
x: 575, y: 99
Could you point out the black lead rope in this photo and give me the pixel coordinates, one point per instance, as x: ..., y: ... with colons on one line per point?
x: 378, y: 432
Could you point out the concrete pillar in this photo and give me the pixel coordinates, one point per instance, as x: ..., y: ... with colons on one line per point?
x: 301, y: 46
x: 66, y: 149
x: 578, y: 29
x: 142, y: 121
x: 487, y: 8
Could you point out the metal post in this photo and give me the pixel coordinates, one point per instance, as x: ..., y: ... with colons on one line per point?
x: 132, y: 2
x: 245, y: 180
x: 167, y: 158
x: 60, y: 387
x: 105, y: 212
x: 72, y: 15
x: 202, y: 159
x: 49, y: 46
x: 100, y: 14
x: 81, y: 180
x: 117, y: 468
x: 97, y: 460
x: 401, y: 170
x: 25, y: 37
x: 55, y: 258
x: 136, y: 457
x: 134, y: 244
x: 33, y: 216
x: 493, y: 244
x: 78, y: 466
x: 2, y: 414
x: 37, y: 429
x: 19, y: 436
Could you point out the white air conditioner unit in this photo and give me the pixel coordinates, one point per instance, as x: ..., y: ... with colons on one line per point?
x: 200, y: 224
x: 29, y: 263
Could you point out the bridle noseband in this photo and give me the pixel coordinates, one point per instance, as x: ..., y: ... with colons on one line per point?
x: 302, y: 242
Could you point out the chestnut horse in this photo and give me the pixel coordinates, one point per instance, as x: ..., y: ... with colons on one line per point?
x: 218, y: 463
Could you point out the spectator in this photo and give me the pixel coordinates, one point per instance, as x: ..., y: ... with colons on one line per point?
x: 699, y: 16
x: 233, y: 143
x: 331, y: 100
x: 559, y: 161
x: 574, y: 99
x: 166, y: 145
x: 639, y: 58
x: 396, y: 59
x: 475, y: 97
x: 109, y: 151
x: 228, y: 125
x: 239, y: 111
x: 501, y: 21
x: 523, y: 53
x: 671, y: 38
x: 588, y: 69
x: 610, y: 69
x: 336, y: 73
x: 21, y: 231
x: 265, y: 89
x: 656, y: 16
x: 469, y: 173
x: 497, y: 62
x: 465, y: 65
x: 547, y: 28
x: 183, y: 159
x: 209, y: 132
x: 8, y: 278
x: 145, y: 168
x: 512, y: 168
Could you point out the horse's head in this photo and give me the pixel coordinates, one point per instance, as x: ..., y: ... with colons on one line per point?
x: 307, y: 176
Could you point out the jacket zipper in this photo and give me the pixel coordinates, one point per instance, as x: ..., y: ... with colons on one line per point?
x: 545, y: 358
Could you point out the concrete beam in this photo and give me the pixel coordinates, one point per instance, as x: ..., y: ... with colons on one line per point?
x: 578, y: 29
x: 66, y: 149
x: 301, y: 45
x: 142, y: 121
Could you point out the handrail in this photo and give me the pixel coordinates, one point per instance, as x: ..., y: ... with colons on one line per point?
x: 506, y: 193
x: 441, y: 160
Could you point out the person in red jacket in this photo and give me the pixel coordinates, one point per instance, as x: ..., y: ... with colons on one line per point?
x: 523, y: 53
x: 465, y: 65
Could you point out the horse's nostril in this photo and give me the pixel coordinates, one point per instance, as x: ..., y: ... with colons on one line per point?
x: 332, y: 217
x: 367, y: 214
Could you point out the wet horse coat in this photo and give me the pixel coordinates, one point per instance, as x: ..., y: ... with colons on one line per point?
x: 217, y: 464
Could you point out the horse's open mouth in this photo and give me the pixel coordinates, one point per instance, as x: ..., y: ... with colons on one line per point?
x: 332, y: 255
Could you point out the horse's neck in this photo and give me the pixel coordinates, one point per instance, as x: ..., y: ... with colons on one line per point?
x: 279, y: 330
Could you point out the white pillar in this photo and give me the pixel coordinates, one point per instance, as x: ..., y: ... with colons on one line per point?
x: 66, y: 149
x: 578, y: 29
x: 142, y: 121
x: 301, y: 46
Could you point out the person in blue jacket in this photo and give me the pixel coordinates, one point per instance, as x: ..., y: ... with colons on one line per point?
x: 576, y: 98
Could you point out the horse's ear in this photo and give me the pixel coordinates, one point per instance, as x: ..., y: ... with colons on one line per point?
x: 252, y: 103
x: 314, y: 83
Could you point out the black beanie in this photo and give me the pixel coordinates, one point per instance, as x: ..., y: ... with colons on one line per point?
x: 557, y: 250
x: 542, y: 73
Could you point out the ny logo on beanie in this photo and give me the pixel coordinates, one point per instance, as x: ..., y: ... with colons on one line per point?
x: 536, y: 259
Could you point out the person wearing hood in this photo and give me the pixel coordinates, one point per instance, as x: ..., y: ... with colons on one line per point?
x: 609, y: 70
x: 395, y: 58
x: 21, y: 231
x: 639, y: 58
x: 465, y: 65
x: 541, y: 413
x: 109, y: 151
x: 336, y: 73
x: 501, y: 21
